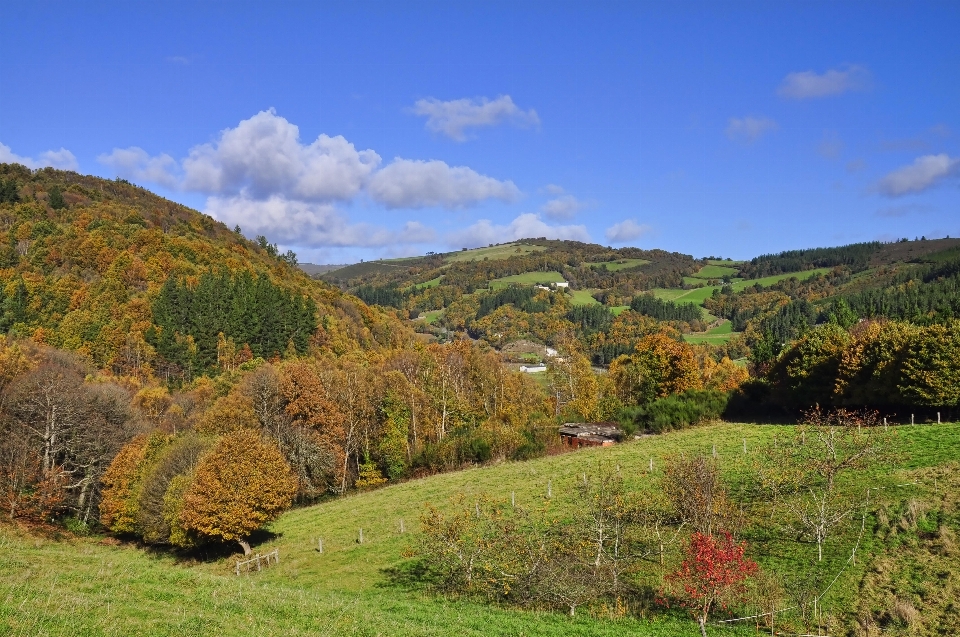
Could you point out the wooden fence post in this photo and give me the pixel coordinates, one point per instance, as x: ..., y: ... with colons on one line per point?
x: 513, y: 498
x: 549, y: 489
x: 360, y: 539
x: 320, y: 544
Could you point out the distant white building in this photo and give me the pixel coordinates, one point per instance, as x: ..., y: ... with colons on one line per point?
x: 563, y: 284
x: 533, y: 369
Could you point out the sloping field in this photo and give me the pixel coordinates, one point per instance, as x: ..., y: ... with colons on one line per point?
x: 584, y: 297
x: 493, y: 252
x: 715, y: 272
x: 529, y: 278
x: 621, y: 264
x: 89, y: 587
x: 697, y: 295
x: 714, y: 336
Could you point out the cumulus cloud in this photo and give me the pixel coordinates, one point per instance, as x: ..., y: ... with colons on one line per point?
x: 410, y: 183
x: 922, y: 174
x: 525, y: 226
x: 562, y: 208
x: 309, y: 224
x: 553, y: 189
x: 626, y: 230
x: 136, y: 164
x: 810, y: 84
x: 263, y: 156
x: 749, y: 129
x: 62, y: 159
x: 451, y: 118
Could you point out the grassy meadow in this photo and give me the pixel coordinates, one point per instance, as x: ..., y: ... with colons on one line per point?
x: 95, y: 586
x: 492, y: 252
x: 621, y: 264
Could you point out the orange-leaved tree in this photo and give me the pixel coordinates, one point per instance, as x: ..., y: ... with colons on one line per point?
x: 238, y: 486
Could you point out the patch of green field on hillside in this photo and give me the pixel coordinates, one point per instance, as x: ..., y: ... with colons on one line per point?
x: 617, y: 310
x: 432, y: 316
x: 698, y: 295
x: 724, y: 262
x: 620, y: 264
x: 528, y: 278
x: 715, y: 272
x: 432, y: 283
x: 494, y: 252
x: 714, y: 336
x: 583, y: 297
x: 86, y: 587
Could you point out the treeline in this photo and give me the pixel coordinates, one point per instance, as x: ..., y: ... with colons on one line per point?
x: 523, y: 298
x: 198, y: 324
x: 650, y: 305
x: 922, y: 295
x: 855, y: 256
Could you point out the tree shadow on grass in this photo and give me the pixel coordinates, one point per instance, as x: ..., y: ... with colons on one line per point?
x: 212, y: 551
x: 410, y: 575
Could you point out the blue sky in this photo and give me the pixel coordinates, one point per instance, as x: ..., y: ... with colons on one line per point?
x: 372, y: 129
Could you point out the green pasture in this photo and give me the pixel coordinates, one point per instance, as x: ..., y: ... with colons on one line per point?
x: 528, y: 278
x: 698, y: 295
x: 432, y: 316
x: 714, y: 336
x: 715, y: 272
x: 620, y: 264
x: 584, y: 297
x: 494, y: 252
x: 617, y: 310
x: 724, y: 262
x: 87, y: 586
x: 432, y: 283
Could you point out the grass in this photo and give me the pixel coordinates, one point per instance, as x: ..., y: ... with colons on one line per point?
x: 617, y: 310
x: 715, y: 272
x: 432, y: 283
x: 432, y: 316
x: 620, y: 264
x: 584, y: 297
x: 85, y: 587
x: 529, y: 278
x: 494, y: 252
x: 714, y: 336
x: 724, y: 262
x: 698, y: 295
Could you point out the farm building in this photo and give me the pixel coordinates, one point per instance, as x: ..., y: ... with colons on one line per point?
x: 590, y: 434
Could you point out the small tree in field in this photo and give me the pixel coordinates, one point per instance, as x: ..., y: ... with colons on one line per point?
x: 712, y: 574
x: 239, y: 485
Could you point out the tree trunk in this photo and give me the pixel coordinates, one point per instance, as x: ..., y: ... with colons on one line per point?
x: 245, y: 545
x: 703, y: 627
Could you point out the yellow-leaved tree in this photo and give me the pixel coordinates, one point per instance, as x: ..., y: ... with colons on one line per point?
x: 238, y: 486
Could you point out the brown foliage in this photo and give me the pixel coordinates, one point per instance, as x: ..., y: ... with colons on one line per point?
x: 239, y: 485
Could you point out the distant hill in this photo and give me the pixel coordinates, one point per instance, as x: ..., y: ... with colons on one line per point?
x: 314, y: 269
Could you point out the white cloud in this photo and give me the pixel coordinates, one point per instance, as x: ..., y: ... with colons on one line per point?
x: 62, y: 159
x: 135, y: 163
x: 553, y: 189
x: 626, y: 231
x: 308, y: 224
x: 923, y: 173
x: 409, y: 183
x: 263, y: 156
x: 525, y: 226
x: 562, y: 208
x: 749, y: 129
x: 809, y: 84
x: 453, y: 117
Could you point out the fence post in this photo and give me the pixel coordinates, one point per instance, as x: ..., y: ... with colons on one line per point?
x: 938, y: 417
x: 360, y: 539
x: 401, y: 525
x: 651, y: 465
x: 238, y: 568
x: 258, y: 562
x: 513, y: 498
x: 744, y: 445
x: 911, y: 419
x: 549, y: 489
x: 714, y: 451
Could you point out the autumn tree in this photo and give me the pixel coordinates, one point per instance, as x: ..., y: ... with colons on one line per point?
x: 698, y: 494
x: 242, y: 483
x: 660, y: 366
x: 712, y: 574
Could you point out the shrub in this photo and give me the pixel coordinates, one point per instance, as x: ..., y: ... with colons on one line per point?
x: 677, y: 411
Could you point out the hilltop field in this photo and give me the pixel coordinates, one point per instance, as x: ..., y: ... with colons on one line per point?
x: 95, y: 586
